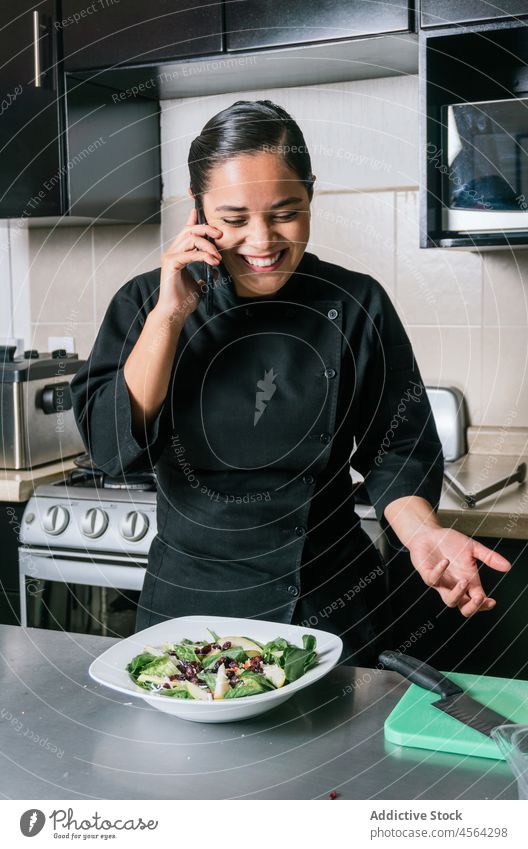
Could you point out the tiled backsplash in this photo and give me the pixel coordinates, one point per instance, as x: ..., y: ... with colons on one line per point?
x: 466, y: 314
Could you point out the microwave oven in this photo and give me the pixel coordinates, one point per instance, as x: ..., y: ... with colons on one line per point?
x: 485, y: 166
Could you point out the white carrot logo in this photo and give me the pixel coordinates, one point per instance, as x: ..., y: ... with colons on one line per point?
x: 32, y: 820
x: 265, y: 391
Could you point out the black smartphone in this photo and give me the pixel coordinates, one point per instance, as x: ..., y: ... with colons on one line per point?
x: 208, y: 269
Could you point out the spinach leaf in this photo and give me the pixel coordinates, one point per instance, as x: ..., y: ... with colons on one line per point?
x: 138, y: 662
x: 251, y: 684
x: 297, y: 661
x: 309, y: 642
x: 277, y: 645
x: 235, y: 653
x: 209, y: 678
x: 214, y: 635
x: 176, y: 694
x: 185, y: 651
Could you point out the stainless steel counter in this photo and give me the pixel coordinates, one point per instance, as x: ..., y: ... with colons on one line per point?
x: 64, y: 737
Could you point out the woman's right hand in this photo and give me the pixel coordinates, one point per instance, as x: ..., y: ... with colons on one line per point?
x: 179, y: 292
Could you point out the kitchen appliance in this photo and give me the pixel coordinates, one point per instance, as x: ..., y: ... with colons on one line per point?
x: 455, y: 701
x: 415, y: 723
x: 84, y: 550
x: 37, y: 421
x: 484, y: 166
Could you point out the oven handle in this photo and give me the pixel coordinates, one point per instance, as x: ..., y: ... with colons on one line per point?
x: 94, y: 573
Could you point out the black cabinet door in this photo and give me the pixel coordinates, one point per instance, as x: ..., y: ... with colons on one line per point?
x: 135, y: 32
x: 29, y: 128
x: 254, y: 23
x: 441, y: 12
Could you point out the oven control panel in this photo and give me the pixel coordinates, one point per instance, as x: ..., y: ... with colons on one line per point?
x: 124, y: 524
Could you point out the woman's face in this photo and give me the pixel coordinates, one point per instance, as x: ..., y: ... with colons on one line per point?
x: 263, y: 212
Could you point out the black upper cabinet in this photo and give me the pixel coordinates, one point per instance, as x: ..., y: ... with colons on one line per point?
x: 135, y: 32
x: 29, y: 128
x: 274, y: 23
x: 435, y: 13
x: 64, y: 141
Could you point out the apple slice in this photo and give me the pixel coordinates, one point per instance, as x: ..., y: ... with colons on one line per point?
x: 248, y: 646
x: 274, y: 673
x: 222, y: 683
x: 196, y: 692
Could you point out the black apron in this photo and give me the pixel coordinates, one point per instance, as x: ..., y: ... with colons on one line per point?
x: 254, y: 400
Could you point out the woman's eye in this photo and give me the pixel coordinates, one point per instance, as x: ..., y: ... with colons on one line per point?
x: 239, y: 222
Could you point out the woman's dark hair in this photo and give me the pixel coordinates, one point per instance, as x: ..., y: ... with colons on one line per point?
x: 248, y: 126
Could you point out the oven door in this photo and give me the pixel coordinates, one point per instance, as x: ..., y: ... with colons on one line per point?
x: 73, y: 591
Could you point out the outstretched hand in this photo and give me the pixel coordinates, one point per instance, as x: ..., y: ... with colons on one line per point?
x: 447, y: 560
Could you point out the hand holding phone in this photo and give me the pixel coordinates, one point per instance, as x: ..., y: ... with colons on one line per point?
x: 179, y: 292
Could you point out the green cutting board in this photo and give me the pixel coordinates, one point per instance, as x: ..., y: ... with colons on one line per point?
x: 415, y: 722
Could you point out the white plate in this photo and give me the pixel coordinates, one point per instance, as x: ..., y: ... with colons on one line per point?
x: 110, y: 667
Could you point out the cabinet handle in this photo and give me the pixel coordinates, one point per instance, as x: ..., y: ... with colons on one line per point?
x: 36, y: 50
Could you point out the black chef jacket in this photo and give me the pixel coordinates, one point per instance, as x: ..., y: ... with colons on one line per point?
x: 268, y: 399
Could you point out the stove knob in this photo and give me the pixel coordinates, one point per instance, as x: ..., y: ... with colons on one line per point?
x: 56, y: 520
x: 134, y: 526
x: 94, y: 523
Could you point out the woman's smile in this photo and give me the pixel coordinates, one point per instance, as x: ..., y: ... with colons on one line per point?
x: 264, y: 264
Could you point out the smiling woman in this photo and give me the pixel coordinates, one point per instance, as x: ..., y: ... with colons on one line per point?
x: 302, y: 364
x: 259, y: 199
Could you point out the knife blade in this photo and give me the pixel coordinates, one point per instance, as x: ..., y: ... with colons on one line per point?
x: 455, y: 701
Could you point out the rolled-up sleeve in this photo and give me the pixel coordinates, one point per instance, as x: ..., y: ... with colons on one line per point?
x: 100, y: 396
x: 398, y: 452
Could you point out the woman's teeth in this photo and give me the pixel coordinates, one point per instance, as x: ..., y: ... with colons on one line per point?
x: 261, y: 262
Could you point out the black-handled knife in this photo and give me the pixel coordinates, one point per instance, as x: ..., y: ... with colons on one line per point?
x: 455, y: 701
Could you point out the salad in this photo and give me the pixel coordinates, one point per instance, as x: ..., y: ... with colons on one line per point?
x: 224, y: 668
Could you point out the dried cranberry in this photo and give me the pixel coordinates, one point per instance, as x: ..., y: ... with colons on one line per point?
x: 333, y: 794
x: 227, y: 645
x: 167, y: 686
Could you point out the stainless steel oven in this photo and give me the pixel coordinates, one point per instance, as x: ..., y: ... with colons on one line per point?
x: 84, y: 551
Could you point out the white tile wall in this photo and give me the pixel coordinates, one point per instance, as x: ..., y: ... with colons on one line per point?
x: 466, y: 314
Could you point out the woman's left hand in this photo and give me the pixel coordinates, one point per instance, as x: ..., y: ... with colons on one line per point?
x: 447, y: 560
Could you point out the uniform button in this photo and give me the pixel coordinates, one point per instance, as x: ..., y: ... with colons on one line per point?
x: 330, y: 373
x: 293, y: 590
x: 308, y: 479
x: 300, y: 531
x: 332, y: 313
x: 325, y: 438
